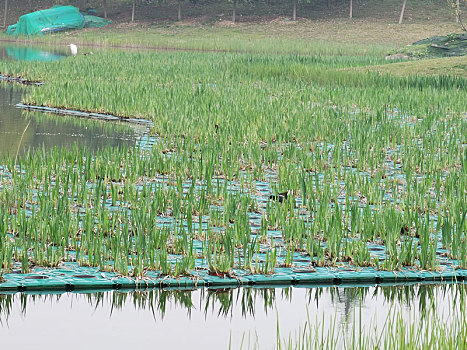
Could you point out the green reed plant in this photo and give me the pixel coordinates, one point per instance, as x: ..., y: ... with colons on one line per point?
x: 432, y: 330
x: 365, y: 159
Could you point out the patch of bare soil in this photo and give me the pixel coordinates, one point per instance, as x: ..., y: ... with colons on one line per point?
x: 191, y: 21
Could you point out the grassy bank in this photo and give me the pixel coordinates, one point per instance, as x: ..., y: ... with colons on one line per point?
x: 332, y: 37
x: 454, y: 66
x: 262, y: 27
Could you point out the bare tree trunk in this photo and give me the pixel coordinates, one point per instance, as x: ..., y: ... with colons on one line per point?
x: 133, y: 11
x: 458, y: 11
x: 329, y: 4
x: 179, y: 13
x: 351, y: 9
x: 401, y: 18
x: 294, y: 11
x: 5, y: 15
x: 104, y: 3
x: 30, y: 5
x: 234, y: 13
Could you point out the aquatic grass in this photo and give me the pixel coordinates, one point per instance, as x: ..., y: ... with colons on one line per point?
x: 432, y: 329
x: 365, y: 159
x: 251, y: 38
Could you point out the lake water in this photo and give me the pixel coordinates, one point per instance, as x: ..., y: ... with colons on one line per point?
x: 203, y: 319
x: 22, y: 130
x: 31, y: 53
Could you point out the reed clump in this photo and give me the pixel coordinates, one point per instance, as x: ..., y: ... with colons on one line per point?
x: 365, y: 160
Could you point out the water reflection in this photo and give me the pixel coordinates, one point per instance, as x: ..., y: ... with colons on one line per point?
x: 21, y: 130
x: 32, y: 53
x: 217, y: 315
x: 223, y: 302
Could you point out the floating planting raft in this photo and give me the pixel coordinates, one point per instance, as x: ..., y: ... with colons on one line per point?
x: 73, y: 277
x: 156, y: 256
x: 81, y: 114
x: 19, y: 80
x: 292, y: 176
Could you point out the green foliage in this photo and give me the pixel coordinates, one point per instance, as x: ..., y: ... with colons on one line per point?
x: 364, y: 158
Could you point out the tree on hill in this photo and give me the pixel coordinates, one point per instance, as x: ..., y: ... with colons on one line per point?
x: 401, y: 17
x: 23, y: 6
x: 458, y: 10
x: 234, y: 11
x: 456, y: 6
x: 294, y: 10
x: 5, y: 14
x: 179, y: 10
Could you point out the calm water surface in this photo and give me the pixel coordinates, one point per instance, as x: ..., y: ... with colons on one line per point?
x: 9, y: 51
x: 22, y: 130
x: 202, y: 319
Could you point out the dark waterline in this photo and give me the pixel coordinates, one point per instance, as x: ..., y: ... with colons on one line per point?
x: 202, y: 319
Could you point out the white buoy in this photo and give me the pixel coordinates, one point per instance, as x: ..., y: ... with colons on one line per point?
x: 74, y: 49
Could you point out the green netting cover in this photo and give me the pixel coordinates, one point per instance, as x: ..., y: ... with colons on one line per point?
x: 57, y: 18
x: 451, y: 45
x: 95, y: 22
